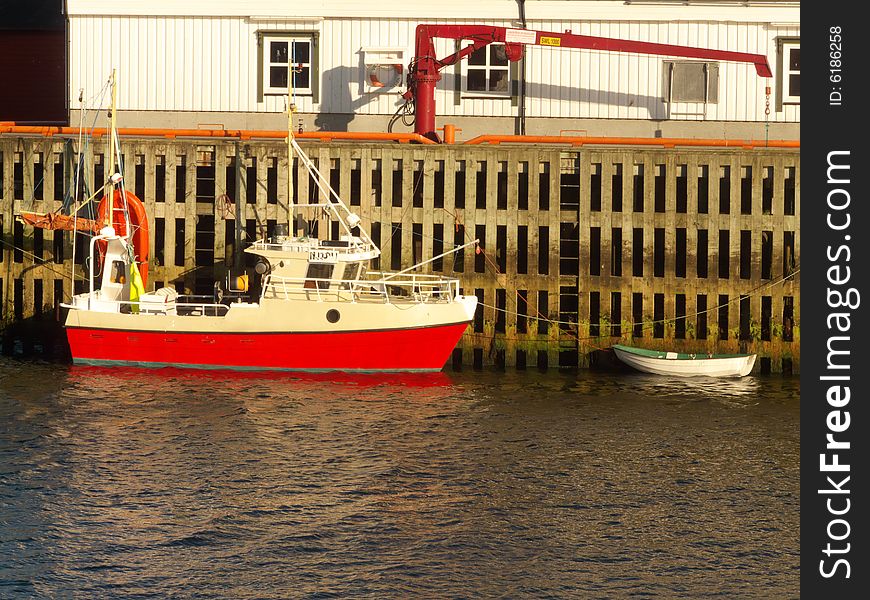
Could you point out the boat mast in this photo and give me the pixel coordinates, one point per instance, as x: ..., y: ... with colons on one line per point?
x: 111, y: 161
x: 78, y: 176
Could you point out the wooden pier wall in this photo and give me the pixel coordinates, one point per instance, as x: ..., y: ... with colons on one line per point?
x: 664, y: 248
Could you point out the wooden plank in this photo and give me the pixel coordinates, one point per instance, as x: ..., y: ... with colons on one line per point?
x: 667, y: 164
x: 172, y: 210
x: 190, y: 219
x: 222, y: 259
x: 405, y: 214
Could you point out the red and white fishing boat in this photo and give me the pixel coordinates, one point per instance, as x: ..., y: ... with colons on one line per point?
x: 319, y: 307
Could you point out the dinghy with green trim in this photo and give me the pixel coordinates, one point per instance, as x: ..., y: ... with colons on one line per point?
x: 685, y: 365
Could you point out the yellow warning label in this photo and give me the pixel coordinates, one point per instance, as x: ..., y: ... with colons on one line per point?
x: 550, y: 41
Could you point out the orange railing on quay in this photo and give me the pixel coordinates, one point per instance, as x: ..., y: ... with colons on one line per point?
x: 373, y: 136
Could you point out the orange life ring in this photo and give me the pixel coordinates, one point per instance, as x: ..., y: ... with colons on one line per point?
x: 138, y: 224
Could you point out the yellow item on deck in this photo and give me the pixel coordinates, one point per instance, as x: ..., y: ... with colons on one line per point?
x: 239, y: 284
x: 137, y: 288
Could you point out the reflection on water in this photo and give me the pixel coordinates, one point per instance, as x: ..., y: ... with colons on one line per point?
x: 197, y: 484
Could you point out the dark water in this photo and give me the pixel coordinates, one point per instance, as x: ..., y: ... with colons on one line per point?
x: 149, y: 484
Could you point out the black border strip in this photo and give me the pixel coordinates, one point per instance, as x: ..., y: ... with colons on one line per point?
x: 834, y: 507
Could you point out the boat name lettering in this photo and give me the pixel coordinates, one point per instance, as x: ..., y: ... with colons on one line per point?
x: 328, y: 256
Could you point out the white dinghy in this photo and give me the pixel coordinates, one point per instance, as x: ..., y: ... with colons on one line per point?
x: 685, y: 365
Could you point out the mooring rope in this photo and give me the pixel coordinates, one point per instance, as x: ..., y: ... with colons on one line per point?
x: 38, y: 261
x: 494, y: 270
x: 646, y: 325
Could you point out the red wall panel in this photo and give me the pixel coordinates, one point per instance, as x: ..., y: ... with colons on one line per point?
x: 33, y: 77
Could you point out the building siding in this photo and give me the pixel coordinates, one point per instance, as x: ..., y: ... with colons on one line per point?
x: 210, y: 64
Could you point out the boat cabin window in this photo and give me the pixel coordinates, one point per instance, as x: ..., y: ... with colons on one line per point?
x: 119, y: 272
x: 351, y: 273
x: 318, y: 276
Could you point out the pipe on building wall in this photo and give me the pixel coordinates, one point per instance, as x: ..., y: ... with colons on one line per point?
x: 375, y: 136
x: 243, y: 134
x: 630, y: 141
x: 521, y: 108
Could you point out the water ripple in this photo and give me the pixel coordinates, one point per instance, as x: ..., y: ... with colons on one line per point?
x: 154, y: 484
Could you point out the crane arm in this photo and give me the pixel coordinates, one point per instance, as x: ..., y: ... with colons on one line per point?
x: 565, y: 40
x: 425, y: 69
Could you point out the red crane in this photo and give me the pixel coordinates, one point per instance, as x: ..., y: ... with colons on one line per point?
x: 424, y: 72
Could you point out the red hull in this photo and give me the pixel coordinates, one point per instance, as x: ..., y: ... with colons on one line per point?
x: 421, y: 349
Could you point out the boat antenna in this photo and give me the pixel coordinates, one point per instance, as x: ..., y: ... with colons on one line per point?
x: 111, y: 162
x: 123, y: 185
x: 291, y: 215
x: 76, y: 183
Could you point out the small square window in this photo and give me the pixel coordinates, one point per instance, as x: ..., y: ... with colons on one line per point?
x: 791, y: 72
x: 478, y: 57
x: 476, y: 80
x: 283, y: 54
x: 119, y: 272
x: 498, y: 81
x: 278, y: 77
x: 318, y: 276
x: 794, y: 59
x: 497, y: 55
x: 278, y: 52
x: 487, y: 73
x: 794, y: 85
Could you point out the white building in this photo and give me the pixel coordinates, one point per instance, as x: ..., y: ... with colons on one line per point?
x: 224, y: 63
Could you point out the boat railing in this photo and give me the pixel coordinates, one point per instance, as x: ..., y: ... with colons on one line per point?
x: 309, y: 244
x: 411, y: 288
x: 200, y: 304
x: 183, y: 305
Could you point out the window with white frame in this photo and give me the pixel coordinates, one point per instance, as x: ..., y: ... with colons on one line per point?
x: 487, y: 73
x: 288, y: 53
x: 791, y: 72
